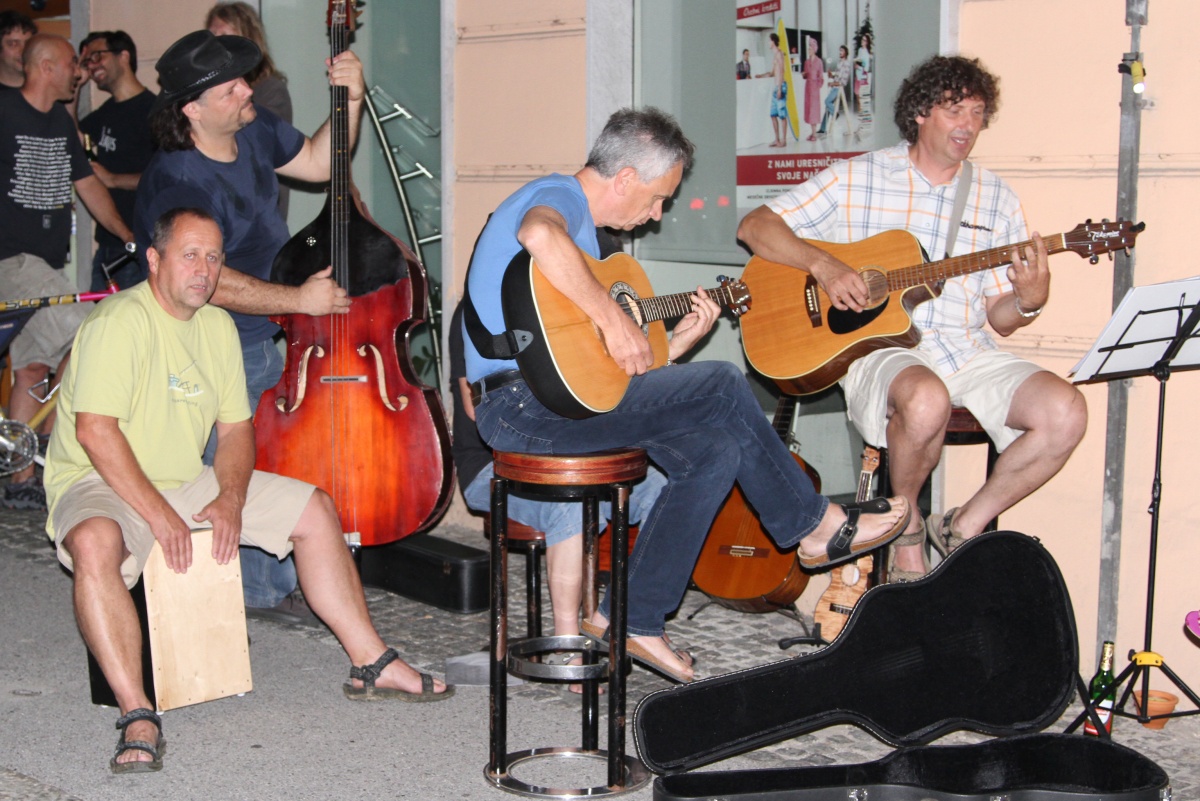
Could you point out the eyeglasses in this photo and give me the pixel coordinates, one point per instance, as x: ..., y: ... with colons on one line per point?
x: 94, y: 56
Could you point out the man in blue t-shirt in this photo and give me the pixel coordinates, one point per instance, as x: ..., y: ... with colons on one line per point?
x: 699, y: 422
x: 221, y: 153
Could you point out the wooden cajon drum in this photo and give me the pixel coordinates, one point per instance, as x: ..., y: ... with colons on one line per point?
x: 196, y: 623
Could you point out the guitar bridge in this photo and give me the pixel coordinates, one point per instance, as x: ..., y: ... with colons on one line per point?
x: 812, y: 302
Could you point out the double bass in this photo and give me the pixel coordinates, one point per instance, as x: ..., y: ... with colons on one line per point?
x: 350, y: 413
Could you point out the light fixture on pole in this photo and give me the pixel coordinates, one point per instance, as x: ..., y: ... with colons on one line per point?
x: 1132, y: 66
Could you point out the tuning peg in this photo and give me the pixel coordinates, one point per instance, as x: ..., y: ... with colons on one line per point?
x: 722, y: 278
x: 1110, y: 255
x: 1126, y: 252
x: 1105, y: 220
x: 1088, y: 221
x: 1093, y: 259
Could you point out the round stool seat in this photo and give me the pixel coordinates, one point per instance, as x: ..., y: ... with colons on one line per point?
x: 963, y: 428
x: 571, y: 470
x: 517, y: 532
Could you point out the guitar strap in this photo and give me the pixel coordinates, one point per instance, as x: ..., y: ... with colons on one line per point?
x: 507, y: 344
x: 960, y: 204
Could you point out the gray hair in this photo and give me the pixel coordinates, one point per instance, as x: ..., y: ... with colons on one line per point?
x: 648, y: 140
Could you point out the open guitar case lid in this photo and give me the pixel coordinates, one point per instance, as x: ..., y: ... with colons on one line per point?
x: 986, y: 642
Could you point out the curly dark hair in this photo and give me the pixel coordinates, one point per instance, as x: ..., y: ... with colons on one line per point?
x: 170, y: 128
x: 944, y: 79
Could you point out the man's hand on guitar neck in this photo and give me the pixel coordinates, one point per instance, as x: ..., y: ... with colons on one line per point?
x: 694, y: 325
x: 1030, y: 277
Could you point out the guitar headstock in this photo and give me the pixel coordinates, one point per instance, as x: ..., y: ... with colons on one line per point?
x: 343, y: 14
x: 870, y: 459
x: 738, y: 301
x: 1090, y: 239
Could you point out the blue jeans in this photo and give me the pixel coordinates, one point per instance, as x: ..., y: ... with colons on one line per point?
x: 265, y: 580
x: 561, y: 520
x: 702, y: 426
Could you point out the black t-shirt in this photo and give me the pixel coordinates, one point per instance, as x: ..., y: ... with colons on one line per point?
x: 120, y: 134
x: 40, y: 159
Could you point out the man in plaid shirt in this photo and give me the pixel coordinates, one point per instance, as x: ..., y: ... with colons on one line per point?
x: 901, y: 398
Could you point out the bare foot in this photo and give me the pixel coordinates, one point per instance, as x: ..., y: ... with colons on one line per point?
x: 870, y: 526
x: 657, y: 652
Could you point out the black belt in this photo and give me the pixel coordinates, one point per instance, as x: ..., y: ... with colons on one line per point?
x: 494, y: 381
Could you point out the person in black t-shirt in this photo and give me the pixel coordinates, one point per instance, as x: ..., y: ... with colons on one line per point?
x: 41, y: 160
x: 119, y: 139
x: 15, y: 30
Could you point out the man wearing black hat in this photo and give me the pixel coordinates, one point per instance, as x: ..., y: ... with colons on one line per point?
x: 221, y: 153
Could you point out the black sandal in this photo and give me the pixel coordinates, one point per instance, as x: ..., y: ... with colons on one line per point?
x: 369, y: 674
x: 155, y: 750
x: 842, y: 548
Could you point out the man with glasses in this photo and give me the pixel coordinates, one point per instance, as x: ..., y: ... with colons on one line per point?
x: 119, y: 141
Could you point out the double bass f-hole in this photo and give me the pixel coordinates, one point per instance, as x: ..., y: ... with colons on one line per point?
x: 362, y: 350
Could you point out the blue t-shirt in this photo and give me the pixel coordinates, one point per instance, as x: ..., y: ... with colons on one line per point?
x: 498, y: 245
x: 242, y: 195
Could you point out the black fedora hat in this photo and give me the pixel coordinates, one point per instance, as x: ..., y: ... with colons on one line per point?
x: 200, y: 60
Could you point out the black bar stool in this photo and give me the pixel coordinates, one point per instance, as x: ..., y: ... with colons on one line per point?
x: 559, y: 477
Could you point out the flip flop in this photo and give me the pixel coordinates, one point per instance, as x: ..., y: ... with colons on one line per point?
x: 368, y: 674
x: 842, y: 548
x: 639, y: 654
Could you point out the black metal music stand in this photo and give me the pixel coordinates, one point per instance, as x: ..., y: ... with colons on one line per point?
x: 1152, y: 332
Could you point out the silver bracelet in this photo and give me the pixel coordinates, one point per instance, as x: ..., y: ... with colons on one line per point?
x: 1028, y: 315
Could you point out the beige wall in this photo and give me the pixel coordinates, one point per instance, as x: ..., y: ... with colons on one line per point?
x: 519, y: 107
x: 1056, y: 141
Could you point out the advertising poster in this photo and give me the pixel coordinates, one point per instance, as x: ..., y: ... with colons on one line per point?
x: 805, y: 91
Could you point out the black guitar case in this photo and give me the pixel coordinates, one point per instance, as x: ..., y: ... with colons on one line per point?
x: 987, y: 642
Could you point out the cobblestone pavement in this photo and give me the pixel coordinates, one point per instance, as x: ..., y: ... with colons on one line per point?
x: 49, y: 729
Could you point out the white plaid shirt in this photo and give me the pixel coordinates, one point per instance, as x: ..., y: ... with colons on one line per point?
x: 882, y: 191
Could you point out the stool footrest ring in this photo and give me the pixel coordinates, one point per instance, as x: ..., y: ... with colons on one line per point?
x: 636, y: 776
x: 520, y: 652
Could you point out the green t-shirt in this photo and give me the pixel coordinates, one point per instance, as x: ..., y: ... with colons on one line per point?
x: 165, y: 380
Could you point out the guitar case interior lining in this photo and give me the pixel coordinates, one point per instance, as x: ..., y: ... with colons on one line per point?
x: 987, y: 642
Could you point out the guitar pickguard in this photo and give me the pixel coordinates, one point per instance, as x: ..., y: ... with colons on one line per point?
x: 847, y: 321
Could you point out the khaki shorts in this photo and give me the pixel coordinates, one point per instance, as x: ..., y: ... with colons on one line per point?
x: 47, y: 337
x: 985, y: 386
x: 273, y: 507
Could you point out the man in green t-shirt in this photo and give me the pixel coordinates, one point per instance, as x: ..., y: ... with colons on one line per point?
x: 155, y: 367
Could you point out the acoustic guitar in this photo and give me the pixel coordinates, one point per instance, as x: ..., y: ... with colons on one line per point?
x: 799, y: 340
x: 740, y: 567
x: 565, y: 362
x: 851, y: 580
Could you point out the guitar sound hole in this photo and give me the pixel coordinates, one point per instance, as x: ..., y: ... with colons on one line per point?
x: 627, y: 297
x: 846, y: 322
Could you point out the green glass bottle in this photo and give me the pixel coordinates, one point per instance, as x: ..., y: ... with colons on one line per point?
x: 1102, y: 691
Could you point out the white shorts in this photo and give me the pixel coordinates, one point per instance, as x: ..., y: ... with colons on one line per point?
x: 273, y: 507
x: 985, y: 386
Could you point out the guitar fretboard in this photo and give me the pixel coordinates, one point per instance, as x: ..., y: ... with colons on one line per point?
x: 662, y: 307
x: 933, y: 272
